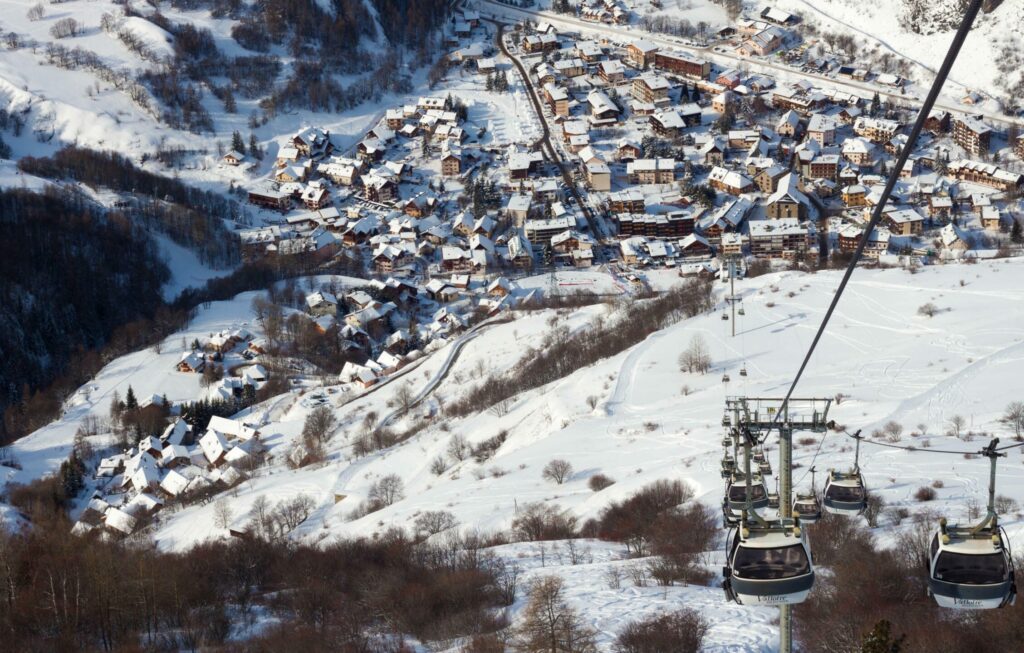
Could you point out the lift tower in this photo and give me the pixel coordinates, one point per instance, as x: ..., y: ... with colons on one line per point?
x: 761, y: 415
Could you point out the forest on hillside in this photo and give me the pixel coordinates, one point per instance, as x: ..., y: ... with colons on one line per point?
x: 69, y: 275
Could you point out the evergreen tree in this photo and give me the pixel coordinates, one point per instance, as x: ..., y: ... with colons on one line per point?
x: 880, y: 640
x: 237, y: 144
x: 130, y: 402
x: 489, y: 84
x: 254, y: 147
x: 1017, y: 233
x: 229, y: 102
x: 876, y: 104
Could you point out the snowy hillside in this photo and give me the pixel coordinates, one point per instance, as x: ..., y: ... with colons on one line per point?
x: 988, y: 64
x: 649, y: 421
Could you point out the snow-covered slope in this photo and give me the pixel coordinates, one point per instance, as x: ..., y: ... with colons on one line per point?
x: 886, y: 26
x: 890, y: 362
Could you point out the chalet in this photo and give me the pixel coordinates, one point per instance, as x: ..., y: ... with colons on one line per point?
x: 422, y: 204
x: 315, y: 196
x: 667, y: 123
x: 626, y: 201
x: 677, y: 224
x: 904, y: 222
x: 680, y: 63
x: 693, y: 246
x: 321, y: 303
x: 233, y: 158
x: 521, y: 164
x: 778, y: 17
x: 451, y: 163
x: 850, y: 236
x: 518, y: 207
x: 602, y: 109
x: 192, y: 361
x: 641, y: 53
x: 763, y: 42
x: 726, y: 219
x: 972, y: 134
x: 783, y: 238
x: 855, y: 195
x: 387, y: 258
x: 589, y: 51
x: 939, y: 207
x: 767, y: 179
x: 788, y: 201
x: 938, y: 122
x: 722, y: 101
x: 650, y: 87
x: 730, y: 181
x: 985, y: 174
x: 599, y: 176
x: 557, y: 98
x: 519, y: 254
x: 313, y: 142
x: 713, y: 152
x: 540, y: 43
x: 991, y: 218
x: 343, y: 172
x: 270, y: 198
x: 876, y: 130
x: 822, y: 128
x: 858, y: 151
x: 628, y: 151
x: 823, y: 166
x: 370, y: 149
x: 651, y: 171
x: 571, y: 67
x: 727, y: 79
x: 797, y: 98
x: 380, y: 189
x: 952, y: 239
x: 611, y: 71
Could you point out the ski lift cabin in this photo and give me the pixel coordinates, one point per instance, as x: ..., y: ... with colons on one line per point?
x: 971, y: 569
x: 845, y: 493
x: 736, y: 497
x: 807, y: 508
x: 768, y: 565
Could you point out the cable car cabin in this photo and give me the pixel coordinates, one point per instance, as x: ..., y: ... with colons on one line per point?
x: 725, y: 317
x: 736, y: 497
x: 765, y: 468
x: 758, y: 456
x: 725, y: 378
x: 971, y: 571
x: 845, y: 493
x: 768, y: 566
x: 728, y: 466
x: 725, y: 421
x: 741, y: 311
x: 726, y: 442
x: 807, y: 508
x: 743, y: 370
x: 773, y: 500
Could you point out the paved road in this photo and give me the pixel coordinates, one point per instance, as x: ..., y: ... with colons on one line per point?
x: 626, y: 34
x: 547, y: 146
x: 446, y: 366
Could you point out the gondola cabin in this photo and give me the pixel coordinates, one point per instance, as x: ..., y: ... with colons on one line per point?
x: 736, y: 497
x: 845, y: 493
x: 971, y: 570
x: 768, y: 566
x: 807, y: 508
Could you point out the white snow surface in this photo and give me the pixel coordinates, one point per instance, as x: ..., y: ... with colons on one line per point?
x: 892, y: 364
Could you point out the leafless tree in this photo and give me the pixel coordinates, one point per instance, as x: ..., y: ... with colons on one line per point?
x: 956, y: 425
x: 319, y: 424
x: 1014, y: 417
x: 697, y: 357
x: 36, y: 12
x: 458, y: 447
x: 558, y: 470
x: 222, y: 514
x: 549, y: 625
x: 387, y: 490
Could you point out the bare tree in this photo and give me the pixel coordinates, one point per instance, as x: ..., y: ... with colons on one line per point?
x: 319, y: 424
x: 458, y: 447
x: 558, y: 470
x: 549, y: 625
x: 36, y: 12
x: 65, y: 27
x: 956, y: 425
x: 405, y: 397
x: 222, y: 513
x: 928, y: 310
x: 697, y: 357
x: 1014, y: 417
x: 387, y: 490
x: 433, y: 522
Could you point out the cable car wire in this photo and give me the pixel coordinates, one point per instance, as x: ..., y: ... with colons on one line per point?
x: 925, y: 449
x: 940, y: 78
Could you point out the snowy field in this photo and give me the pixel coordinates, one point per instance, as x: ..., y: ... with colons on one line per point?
x: 891, y: 362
